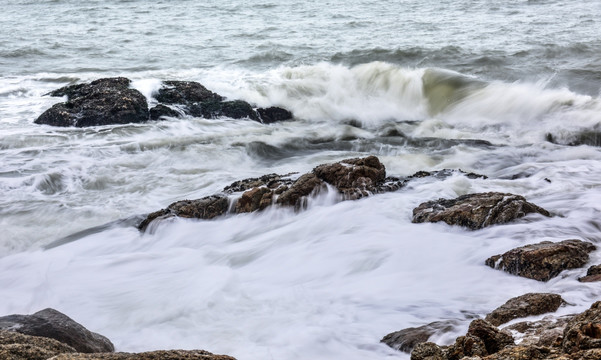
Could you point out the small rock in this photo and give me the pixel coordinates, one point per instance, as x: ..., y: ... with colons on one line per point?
x: 583, y: 331
x: 545, y: 332
x: 476, y: 211
x: 161, y: 110
x: 208, y: 207
x: 593, y: 274
x: 101, y: 102
x: 525, y: 305
x: 354, y: 178
x: 254, y: 199
x: 304, y: 186
x: 185, y: 93
x: 56, y: 325
x: 494, y: 340
x: 544, y: 260
x: 273, y: 114
x: 406, y: 339
x: 427, y: 351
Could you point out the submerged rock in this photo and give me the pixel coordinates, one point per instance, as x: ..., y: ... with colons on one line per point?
x: 161, y: 110
x: 593, y: 274
x: 523, y: 306
x: 53, y: 324
x: 545, y: 332
x: 407, y: 339
x: 206, y: 208
x: 476, y: 211
x: 101, y: 102
x: 544, y: 260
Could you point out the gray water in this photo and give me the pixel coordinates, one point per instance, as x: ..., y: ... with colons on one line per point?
x: 476, y: 85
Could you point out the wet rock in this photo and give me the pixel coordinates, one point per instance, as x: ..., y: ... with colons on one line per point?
x: 151, y: 355
x: 271, y: 181
x: 593, y: 274
x: 545, y: 332
x: 236, y: 109
x: 587, y: 137
x: 185, y: 93
x: 544, y: 260
x: 494, y: 340
x: 101, y: 102
x: 56, y: 325
x: 406, y: 339
x: 445, y: 173
x: 206, y: 208
x: 523, y: 306
x: 521, y: 353
x: 255, y: 199
x: 304, y: 186
x: 354, y: 178
x: 476, y: 211
x: 17, y: 346
x: 583, y: 331
x: 273, y: 114
x: 466, y: 346
x: 161, y: 110
x: 427, y: 351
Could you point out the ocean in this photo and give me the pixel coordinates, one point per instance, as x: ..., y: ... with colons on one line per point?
x: 510, y: 90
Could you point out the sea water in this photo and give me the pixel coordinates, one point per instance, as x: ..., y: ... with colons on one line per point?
x: 474, y: 85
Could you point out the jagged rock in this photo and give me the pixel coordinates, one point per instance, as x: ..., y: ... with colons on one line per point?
x: 101, y: 102
x: 161, y: 110
x: 494, y: 340
x: 427, y: 351
x: 255, y: 199
x: 299, y: 190
x: 466, y: 346
x: 151, y: 355
x: 354, y: 178
x: 583, y: 331
x: 445, y: 173
x: 593, y: 274
x: 273, y: 114
x: 56, y: 325
x: 236, y: 109
x: 476, y: 211
x: 17, y: 346
x: 525, y: 305
x: 406, y: 339
x: 521, y: 353
x: 544, y: 260
x: 545, y: 332
x: 271, y: 181
x: 206, y: 208
x: 185, y: 93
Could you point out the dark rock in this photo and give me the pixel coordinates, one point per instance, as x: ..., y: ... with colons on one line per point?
x: 545, y: 332
x: 494, y: 340
x: 445, y: 173
x: 525, y: 305
x: 476, y: 211
x: 406, y: 339
x: 586, y: 137
x: 206, y: 208
x: 583, y: 331
x: 466, y: 346
x: 56, y: 325
x: 185, y: 93
x: 427, y: 351
x: 17, y: 346
x: 354, y: 178
x: 270, y: 180
x: 151, y: 355
x: 273, y: 114
x: 101, y: 102
x: 544, y: 260
x: 304, y: 186
x: 593, y: 274
x: 161, y: 111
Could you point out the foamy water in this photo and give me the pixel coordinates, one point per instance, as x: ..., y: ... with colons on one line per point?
x: 328, y: 282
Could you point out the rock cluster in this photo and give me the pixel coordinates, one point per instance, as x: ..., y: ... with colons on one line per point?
x: 544, y: 260
x: 112, y: 101
x: 476, y: 211
x: 52, y: 335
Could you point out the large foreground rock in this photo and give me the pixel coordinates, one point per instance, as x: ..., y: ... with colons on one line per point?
x: 525, y: 305
x: 53, y: 324
x: 583, y: 332
x: 101, y: 102
x: 17, y: 346
x: 544, y: 260
x: 476, y: 211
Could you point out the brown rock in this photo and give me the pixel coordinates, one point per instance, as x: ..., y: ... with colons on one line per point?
x: 152, y: 355
x: 56, y: 325
x: 304, y: 186
x: 476, y: 211
x: 206, y: 208
x: 544, y: 260
x: 17, y: 346
x: 520, y: 353
x: 525, y: 305
x: 254, y: 199
x: 545, y: 332
x: 466, y: 346
x: 271, y: 181
x: 494, y: 339
x: 583, y: 331
x: 593, y: 274
x: 354, y: 178
x: 427, y: 351
x: 407, y: 339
